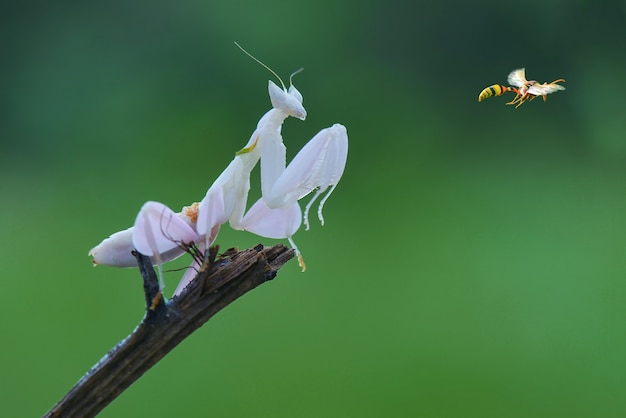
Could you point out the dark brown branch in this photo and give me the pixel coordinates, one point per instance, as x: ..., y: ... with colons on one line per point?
x: 165, y: 325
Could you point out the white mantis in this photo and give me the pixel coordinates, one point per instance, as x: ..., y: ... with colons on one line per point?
x: 163, y: 235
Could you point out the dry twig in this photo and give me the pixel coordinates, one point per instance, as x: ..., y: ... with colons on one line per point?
x: 166, y: 324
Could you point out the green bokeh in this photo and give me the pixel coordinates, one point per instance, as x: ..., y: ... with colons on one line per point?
x: 473, y: 263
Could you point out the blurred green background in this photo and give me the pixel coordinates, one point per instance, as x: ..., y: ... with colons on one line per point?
x: 473, y: 261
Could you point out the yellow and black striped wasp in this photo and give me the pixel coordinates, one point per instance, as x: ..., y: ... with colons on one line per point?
x: 524, y: 89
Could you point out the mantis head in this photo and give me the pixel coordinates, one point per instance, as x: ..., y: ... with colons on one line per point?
x: 288, y: 101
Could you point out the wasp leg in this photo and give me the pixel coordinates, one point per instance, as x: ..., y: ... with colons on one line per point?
x: 533, y: 97
x: 517, y: 99
x: 523, y: 99
x: 517, y: 96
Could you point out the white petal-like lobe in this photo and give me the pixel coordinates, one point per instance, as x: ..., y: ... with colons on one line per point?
x: 272, y: 223
x: 158, y: 230
x: 115, y: 250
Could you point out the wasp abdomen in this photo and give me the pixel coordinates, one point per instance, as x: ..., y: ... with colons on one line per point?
x: 494, y: 90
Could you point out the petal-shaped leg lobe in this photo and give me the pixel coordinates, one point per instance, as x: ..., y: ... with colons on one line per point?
x: 115, y: 250
x: 158, y: 229
x: 272, y: 223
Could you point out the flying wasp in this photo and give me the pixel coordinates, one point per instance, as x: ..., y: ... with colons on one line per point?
x: 528, y: 90
x: 524, y: 89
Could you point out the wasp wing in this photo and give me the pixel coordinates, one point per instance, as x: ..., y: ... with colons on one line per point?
x: 517, y: 78
x: 543, y: 89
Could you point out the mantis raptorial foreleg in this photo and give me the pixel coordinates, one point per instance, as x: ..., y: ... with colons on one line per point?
x: 318, y: 166
x: 226, y: 199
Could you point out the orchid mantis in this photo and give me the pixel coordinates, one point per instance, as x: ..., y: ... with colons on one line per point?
x: 164, y: 235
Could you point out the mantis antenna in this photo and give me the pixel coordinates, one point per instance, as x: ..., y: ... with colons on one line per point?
x: 299, y: 70
x: 268, y: 68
